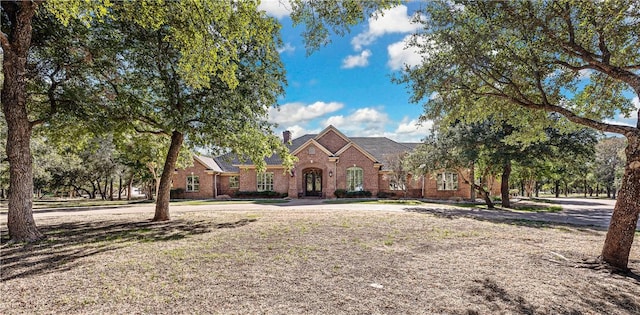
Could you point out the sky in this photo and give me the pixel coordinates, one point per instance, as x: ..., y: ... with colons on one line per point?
x: 347, y: 83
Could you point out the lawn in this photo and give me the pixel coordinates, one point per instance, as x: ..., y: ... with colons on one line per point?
x: 311, y: 262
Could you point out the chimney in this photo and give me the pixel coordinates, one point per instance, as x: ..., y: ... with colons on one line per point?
x: 286, y: 136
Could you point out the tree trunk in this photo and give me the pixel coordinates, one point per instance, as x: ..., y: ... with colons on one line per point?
x: 20, y: 222
x: 557, y: 184
x: 164, y: 191
x: 119, y: 187
x: 111, y: 189
x: 472, y: 178
x: 504, y: 184
x: 130, y: 187
x: 624, y: 219
x: 584, y: 183
x: 608, y: 191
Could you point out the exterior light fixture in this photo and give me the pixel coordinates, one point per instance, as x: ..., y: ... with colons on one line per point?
x: 330, y: 173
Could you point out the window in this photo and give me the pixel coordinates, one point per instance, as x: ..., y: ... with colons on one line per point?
x: 234, y: 182
x: 312, y: 150
x: 396, y: 185
x: 354, y: 179
x: 193, y: 183
x: 265, y: 181
x: 447, y: 181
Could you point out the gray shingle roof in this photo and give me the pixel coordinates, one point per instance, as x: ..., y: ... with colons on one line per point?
x: 378, y: 147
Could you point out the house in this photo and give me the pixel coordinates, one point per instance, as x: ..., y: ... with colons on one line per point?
x: 327, y: 161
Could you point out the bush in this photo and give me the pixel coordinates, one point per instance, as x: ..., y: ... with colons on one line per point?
x: 384, y: 194
x: 176, y: 193
x: 260, y: 194
x: 342, y: 193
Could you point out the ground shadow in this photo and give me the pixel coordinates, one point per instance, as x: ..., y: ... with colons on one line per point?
x: 541, y: 220
x: 498, y: 299
x: 66, y: 243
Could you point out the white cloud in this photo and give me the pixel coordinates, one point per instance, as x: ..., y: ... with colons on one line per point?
x: 362, y: 122
x: 361, y: 60
x: 276, y: 8
x: 410, y: 130
x: 288, y: 48
x: 394, y: 20
x: 636, y: 103
x: 400, y: 54
x: 300, y: 112
x: 627, y: 120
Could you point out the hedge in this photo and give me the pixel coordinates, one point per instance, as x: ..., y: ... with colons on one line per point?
x: 342, y: 193
x: 259, y: 194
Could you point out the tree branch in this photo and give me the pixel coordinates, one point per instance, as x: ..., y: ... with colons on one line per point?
x: 155, y: 132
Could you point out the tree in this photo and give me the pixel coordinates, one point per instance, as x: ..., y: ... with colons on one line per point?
x: 459, y: 147
x: 399, y: 175
x: 535, y: 55
x: 609, y: 162
x: 188, y: 26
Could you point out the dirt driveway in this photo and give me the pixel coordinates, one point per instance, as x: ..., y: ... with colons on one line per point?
x: 576, y: 211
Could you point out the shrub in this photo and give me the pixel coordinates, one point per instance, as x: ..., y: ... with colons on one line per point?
x: 176, y: 193
x: 384, y: 194
x: 260, y: 194
x: 341, y: 193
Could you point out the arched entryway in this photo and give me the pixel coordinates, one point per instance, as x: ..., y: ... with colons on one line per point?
x: 312, y: 182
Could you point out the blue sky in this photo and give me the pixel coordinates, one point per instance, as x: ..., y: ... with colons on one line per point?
x: 348, y: 82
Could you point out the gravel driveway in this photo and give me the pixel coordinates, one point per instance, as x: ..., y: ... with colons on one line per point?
x: 576, y: 211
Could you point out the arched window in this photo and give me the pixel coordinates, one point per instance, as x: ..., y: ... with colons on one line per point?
x: 354, y: 179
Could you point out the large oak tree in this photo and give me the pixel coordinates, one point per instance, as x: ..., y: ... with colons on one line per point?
x: 206, y: 34
x: 577, y: 58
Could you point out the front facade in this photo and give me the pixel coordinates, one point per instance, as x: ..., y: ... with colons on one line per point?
x: 329, y: 164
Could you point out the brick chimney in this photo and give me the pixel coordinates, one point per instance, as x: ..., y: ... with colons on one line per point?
x: 286, y: 136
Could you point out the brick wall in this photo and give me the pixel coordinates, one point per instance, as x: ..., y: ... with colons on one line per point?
x: 206, y: 182
x: 414, y: 187
x: 332, y: 141
x: 431, y: 189
x: 249, y: 180
x: 223, y: 185
x: 317, y: 160
x: 351, y: 157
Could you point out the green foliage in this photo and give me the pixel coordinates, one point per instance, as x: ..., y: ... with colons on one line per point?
x: 342, y: 193
x: 610, y: 161
x: 504, y: 58
x: 322, y: 18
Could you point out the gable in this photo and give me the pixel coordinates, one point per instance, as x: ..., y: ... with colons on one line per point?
x: 312, y: 143
x: 353, y: 149
x: 332, y: 140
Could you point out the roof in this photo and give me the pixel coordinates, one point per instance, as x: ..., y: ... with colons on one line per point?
x: 377, y: 147
x: 380, y: 147
x: 209, y: 163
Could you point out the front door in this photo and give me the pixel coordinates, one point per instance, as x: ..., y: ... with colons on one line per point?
x: 313, y: 182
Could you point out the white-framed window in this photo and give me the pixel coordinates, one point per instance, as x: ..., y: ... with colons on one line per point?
x: 354, y: 179
x: 234, y: 182
x: 447, y: 181
x: 312, y: 150
x: 265, y: 181
x: 193, y: 183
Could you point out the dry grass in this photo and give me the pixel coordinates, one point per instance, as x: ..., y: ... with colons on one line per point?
x: 311, y: 262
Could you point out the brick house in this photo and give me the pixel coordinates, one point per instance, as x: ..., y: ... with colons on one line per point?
x: 327, y: 162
